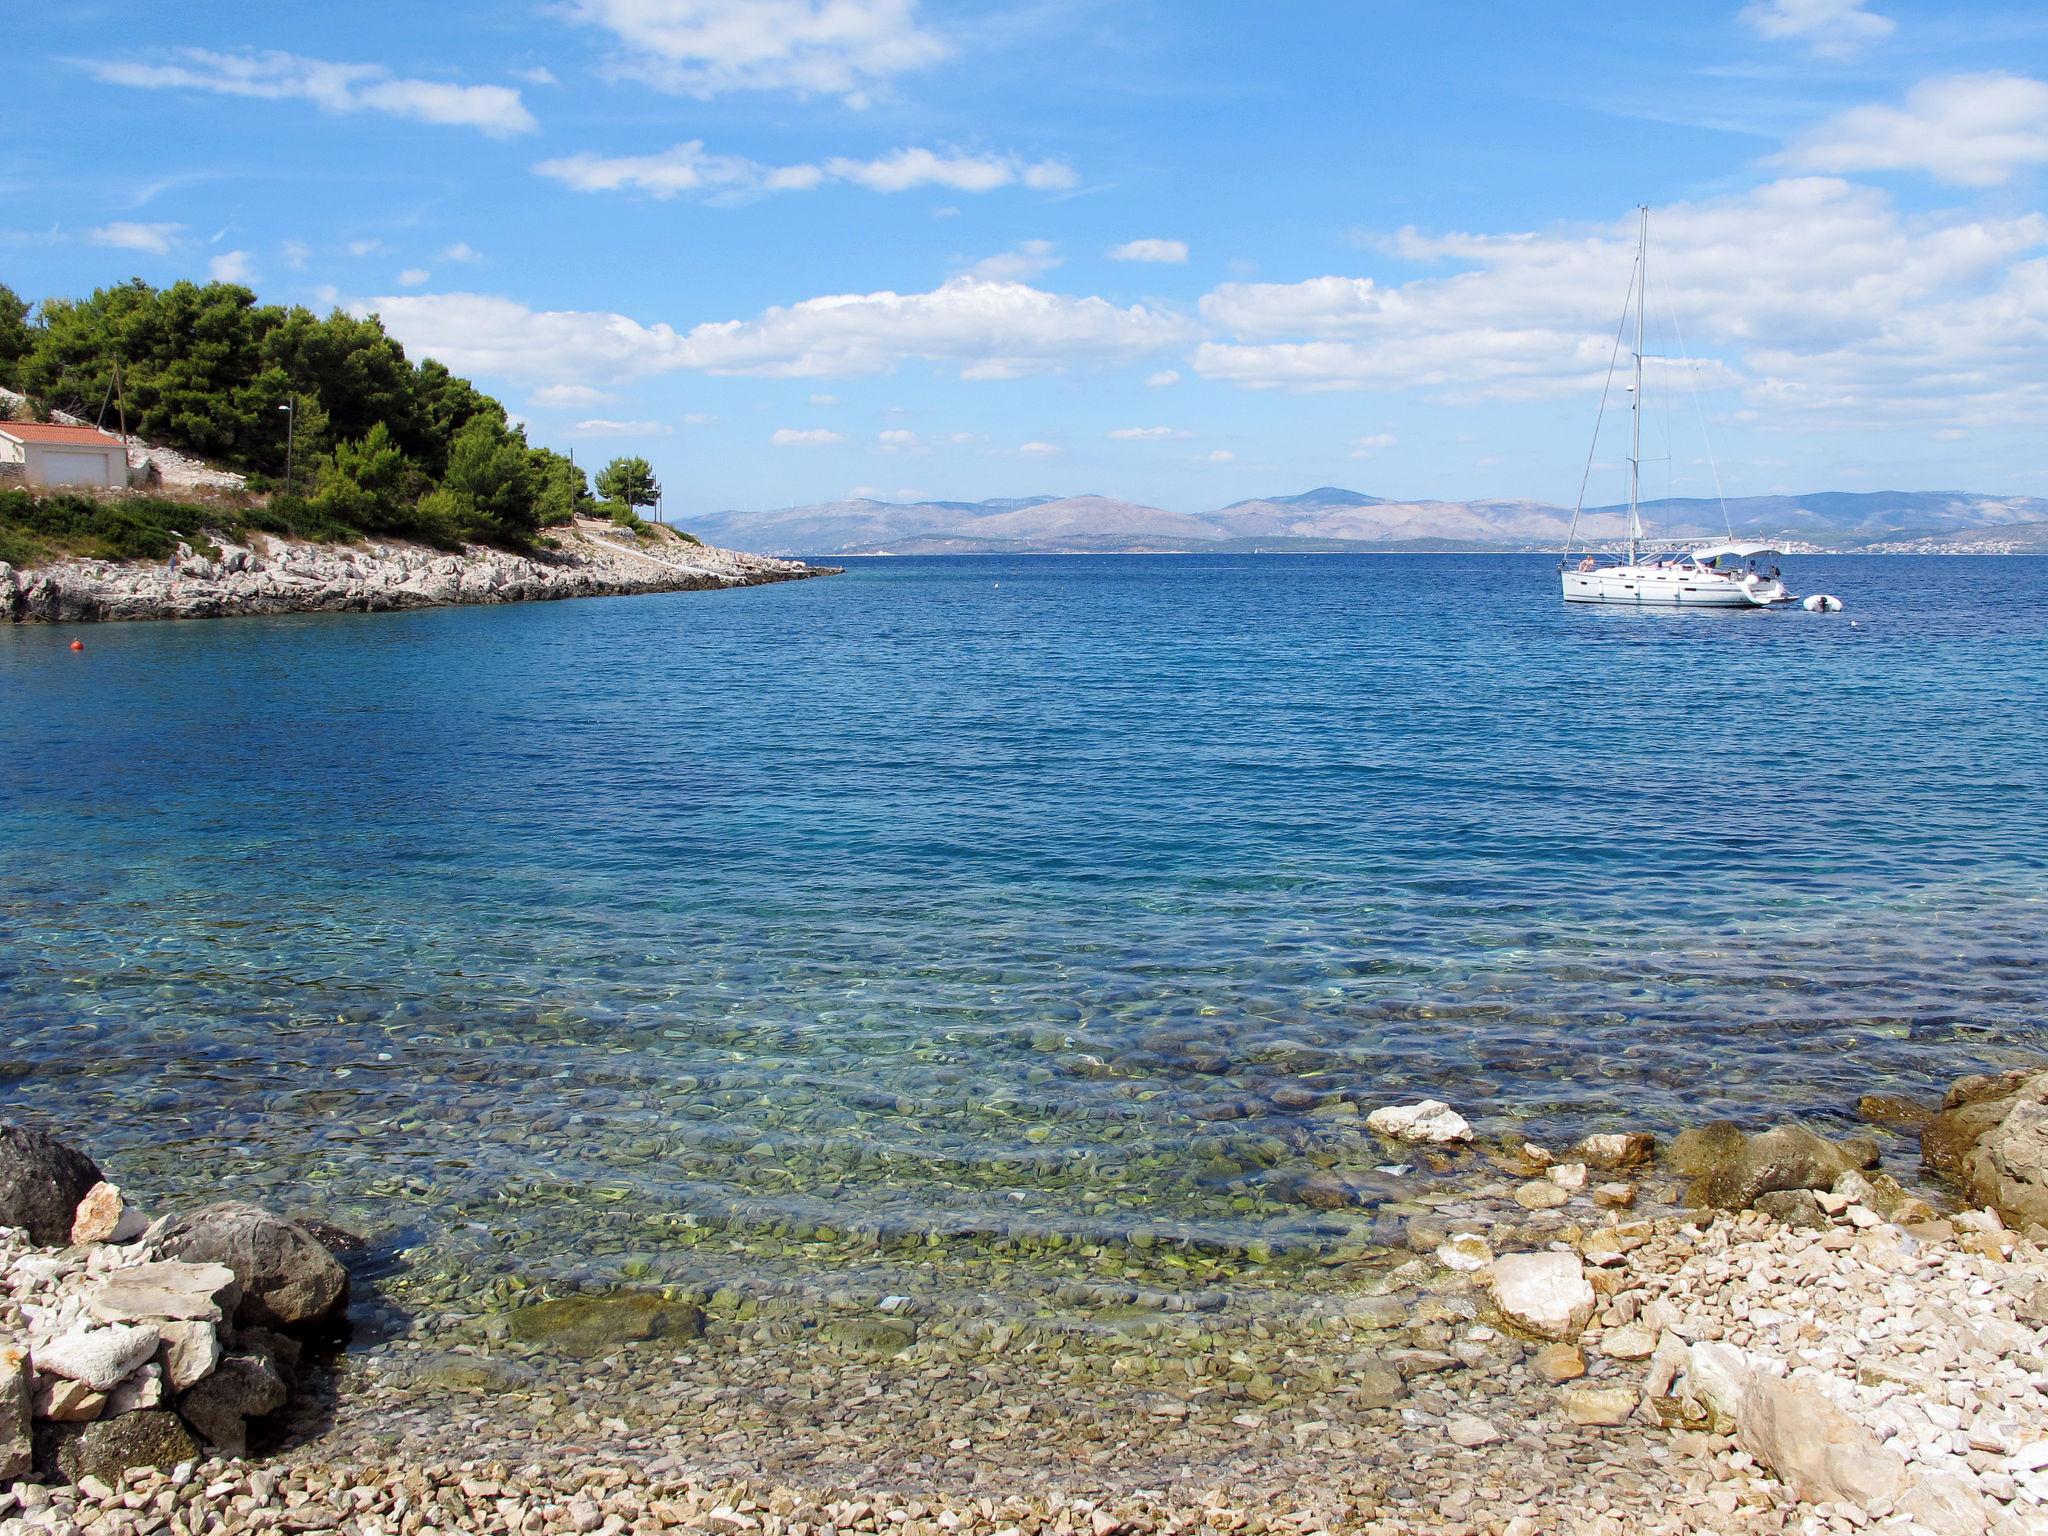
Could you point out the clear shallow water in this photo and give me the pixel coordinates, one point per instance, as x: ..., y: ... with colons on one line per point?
x: 1004, y: 903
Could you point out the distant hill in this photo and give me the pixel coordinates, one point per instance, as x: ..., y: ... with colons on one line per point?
x: 1330, y: 517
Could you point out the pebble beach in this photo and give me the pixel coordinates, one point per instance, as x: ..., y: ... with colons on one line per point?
x: 1549, y: 1346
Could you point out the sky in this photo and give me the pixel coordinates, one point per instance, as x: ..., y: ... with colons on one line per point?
x: 1182, y: 252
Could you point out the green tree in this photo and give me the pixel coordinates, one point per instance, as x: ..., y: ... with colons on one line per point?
x: 16, y: 336
x: 629, y: 481
x: 366, y: 485
x: 564, y: 490
x: 491, y: 484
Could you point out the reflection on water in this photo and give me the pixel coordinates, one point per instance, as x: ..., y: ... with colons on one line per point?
x: 909, y: 908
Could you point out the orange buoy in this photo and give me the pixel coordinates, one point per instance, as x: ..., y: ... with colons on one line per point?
x: 78, y: 645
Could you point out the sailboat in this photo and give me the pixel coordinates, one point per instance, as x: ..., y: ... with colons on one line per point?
x: 1735, y: 574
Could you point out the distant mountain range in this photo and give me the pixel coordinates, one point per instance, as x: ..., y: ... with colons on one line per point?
x: 1329, y: 518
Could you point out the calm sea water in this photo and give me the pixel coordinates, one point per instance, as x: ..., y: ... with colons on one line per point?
x: 978, y: 898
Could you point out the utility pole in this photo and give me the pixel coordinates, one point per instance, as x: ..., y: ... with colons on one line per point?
x: 291, y: 432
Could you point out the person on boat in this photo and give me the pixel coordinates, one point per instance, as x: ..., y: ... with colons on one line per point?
x: 1586, y: 564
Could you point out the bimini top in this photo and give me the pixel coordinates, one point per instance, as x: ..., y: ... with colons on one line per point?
x: 1739, y: 551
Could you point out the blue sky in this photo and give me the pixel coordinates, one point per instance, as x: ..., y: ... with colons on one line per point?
x: 1181, y: 253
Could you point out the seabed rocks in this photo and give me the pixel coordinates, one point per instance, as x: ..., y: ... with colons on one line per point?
x: 1874, y: 1367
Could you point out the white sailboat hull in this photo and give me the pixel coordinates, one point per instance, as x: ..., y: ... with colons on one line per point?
x: 1649, y: 586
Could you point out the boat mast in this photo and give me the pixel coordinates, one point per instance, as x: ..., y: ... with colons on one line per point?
x: 1635, y: 414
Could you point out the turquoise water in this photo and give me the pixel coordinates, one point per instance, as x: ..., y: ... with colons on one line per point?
x: 989, y: 901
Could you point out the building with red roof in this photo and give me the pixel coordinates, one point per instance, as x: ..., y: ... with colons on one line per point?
x: 46, y: 453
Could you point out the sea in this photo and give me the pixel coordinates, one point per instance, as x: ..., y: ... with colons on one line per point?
x: 1000, y: 904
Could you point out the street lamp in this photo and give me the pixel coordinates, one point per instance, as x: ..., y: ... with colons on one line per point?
x: 291, y: 431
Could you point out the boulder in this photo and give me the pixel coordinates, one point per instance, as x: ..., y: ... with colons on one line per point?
x: 155, y: 1437
x: 242, y: 1387
x: 1991, y: 1137
x: 1698, y: 1150
x: 17, y: 1414
x: 590, y: 1327
x: 172, y: 1290
x: 1430, y: 1120
x: 41, y: 1183
x: 1546, y: 1294
x: 288, y: 1278
x: 191, y: 1349
x: 2010, y: 1171
x: 98, y: 1357
x: 1813, y: 1447
x: 1731, y: 1174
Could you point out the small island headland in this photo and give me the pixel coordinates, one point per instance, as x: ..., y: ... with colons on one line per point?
x: 295, y: 464
x: 267, y: 574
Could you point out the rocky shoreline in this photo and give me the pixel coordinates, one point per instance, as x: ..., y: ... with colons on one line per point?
x: 271, y: 576
x: 1738, y: 1332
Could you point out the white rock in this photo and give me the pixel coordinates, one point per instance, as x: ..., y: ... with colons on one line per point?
x: 1466, y: 1251
x: 191, y: 1351
x: 1429, y: 1120
x: 1546, y: 1294
x: 103, y: 1216
x: 1571, y: 1176
x: 99, y: 1357
x: 1717, y: 1377
x: 1469, y: 1431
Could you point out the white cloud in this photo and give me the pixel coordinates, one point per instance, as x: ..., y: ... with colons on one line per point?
x: 462, y: 251
x: 1222, y: 456
x: 1978, y: 130
x: 908, y: 168
x: 986, y: 329
x: 556, y: 396
x: 540, y: 74
x: 365, y: 247
x: 230, y: 267
x: 1816, y: 298
x: 296, y: 254
x: 703, y: 48
x: 1165, y: 378
x: 689, y: 167
x: 1830, y: 29
x: 600, y: 427
x: 699, y: 418
x: 1038, y: 450
x: 897, y: 440
x: 806, y: 437
x: 1031, y: 258
x: 1168, y: 252
x: 1366, y: 447
x: 824, y: 400
x: 495, y: 110
x: 413, y: 277
x: 1145, y: 434
x: 157, y: 239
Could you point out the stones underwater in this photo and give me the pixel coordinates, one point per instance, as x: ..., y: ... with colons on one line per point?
x: 590, y: 1327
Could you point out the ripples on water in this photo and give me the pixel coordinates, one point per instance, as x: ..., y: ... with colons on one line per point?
x: 1056, y: 898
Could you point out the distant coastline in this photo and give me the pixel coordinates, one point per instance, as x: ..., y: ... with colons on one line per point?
x: 1331, y: 520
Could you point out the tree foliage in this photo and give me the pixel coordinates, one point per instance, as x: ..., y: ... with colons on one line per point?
x: 630, y: 482
x: 15, y: 335
x: 383, y: 444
